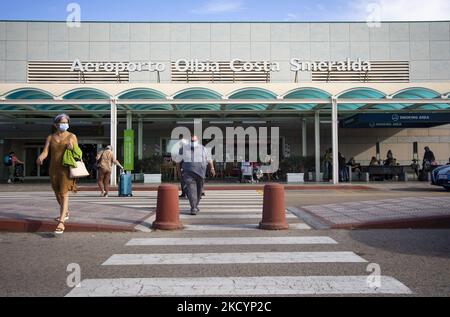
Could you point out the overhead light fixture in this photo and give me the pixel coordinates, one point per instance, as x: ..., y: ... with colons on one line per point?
x: 221, y: 122
x: 185, y: 122
x: 254, y: 122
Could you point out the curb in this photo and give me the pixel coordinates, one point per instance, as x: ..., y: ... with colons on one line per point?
x: 243, y: 187
x: 412, y: 223
x: 28, y: 225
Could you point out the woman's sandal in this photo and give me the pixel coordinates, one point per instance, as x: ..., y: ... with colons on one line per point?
x: 65, y: 218
x: 59, y: 230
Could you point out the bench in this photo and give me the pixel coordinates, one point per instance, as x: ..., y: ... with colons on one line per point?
x: 401, y: 171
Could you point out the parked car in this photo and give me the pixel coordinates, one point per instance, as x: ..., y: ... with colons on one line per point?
x: 440, y: 176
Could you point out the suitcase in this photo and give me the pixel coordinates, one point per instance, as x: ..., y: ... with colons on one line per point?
x: 125, y: 185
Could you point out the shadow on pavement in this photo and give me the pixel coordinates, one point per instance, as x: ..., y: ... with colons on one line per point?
x: 420, y: 189
x: 425, y: 242
x: 45, y: 235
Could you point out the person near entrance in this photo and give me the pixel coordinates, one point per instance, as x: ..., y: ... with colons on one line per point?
x: 428, y: 160
x: 15, y: 162
x: 194, y: 162
x: 328, y: 165
x: 58, y: 142
x: 180, y: 172
x: 105, y: 161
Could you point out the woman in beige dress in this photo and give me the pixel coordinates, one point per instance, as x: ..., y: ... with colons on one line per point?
x: 58, y: 142
x: 105, y: 162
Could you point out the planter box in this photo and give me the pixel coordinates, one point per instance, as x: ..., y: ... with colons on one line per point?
x: 152, y: 178
x: 312, y: 177
x: 137, y: 177
x: 295, y: 177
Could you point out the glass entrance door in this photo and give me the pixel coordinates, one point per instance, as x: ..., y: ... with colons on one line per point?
x: 31, y: 168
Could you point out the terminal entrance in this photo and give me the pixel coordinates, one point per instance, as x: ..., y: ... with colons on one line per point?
x: 104, y: 112
x: 32, y: 171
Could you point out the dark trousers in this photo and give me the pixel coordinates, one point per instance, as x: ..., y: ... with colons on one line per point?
x: 183, y: 185
x: 193, y: 186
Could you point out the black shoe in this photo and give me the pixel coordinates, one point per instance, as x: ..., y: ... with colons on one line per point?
x: 182, y: 196
x: 203, y: 194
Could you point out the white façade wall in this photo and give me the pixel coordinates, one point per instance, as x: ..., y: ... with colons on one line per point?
x: 425, y: 44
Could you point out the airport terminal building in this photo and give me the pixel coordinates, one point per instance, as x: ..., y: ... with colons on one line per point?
x: 360, y: 89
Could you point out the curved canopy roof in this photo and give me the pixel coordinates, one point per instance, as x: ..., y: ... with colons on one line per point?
x: 304, y: 93
x: 356, y: 99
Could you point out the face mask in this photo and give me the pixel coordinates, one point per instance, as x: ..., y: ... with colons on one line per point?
x: 63, y: 127
x: 194, y: 144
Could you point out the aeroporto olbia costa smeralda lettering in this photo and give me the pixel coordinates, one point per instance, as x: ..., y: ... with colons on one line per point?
x: 236, y: 65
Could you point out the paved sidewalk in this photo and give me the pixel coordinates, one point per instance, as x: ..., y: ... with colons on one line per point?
x: 35, y: 211
x: 406, y: 212
x: 32, y: 207
x: 90, y: 187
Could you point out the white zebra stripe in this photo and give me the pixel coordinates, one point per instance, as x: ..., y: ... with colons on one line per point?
x: 227, y: 227
x: 238, y: 286
x: 231, y: 241
x: 234, y: 258
x: 234, y: 216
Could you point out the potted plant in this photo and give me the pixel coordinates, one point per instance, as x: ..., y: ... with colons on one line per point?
x: 151, y: 168
x: 294, y: 169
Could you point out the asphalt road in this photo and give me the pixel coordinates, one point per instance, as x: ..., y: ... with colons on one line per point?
x: 36, y: 264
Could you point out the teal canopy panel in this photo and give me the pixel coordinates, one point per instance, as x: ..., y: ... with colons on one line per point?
x: 359, y: 93
x: 28, y: 93
x: 86, y: 93
x: 251, y: 93
x: 418, y: 93
x: 304, y: 93
x: 144, y: 93
x: 198, y: 93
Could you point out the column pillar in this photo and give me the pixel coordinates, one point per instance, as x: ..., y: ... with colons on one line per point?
x: 335, y: 141
x: 113, y: 138
x: 129, y: 120
x: 140, y: 140
x: 304, y: 138
x: 317, y: 144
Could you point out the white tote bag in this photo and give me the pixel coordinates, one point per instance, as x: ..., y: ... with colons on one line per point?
x: 79, y: 171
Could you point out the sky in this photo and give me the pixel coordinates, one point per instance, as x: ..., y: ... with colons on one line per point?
x: 229, y: 10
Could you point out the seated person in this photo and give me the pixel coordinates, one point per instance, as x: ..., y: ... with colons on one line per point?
x: 390, y: 160
x: 356, y: 167
x: 374, y: 162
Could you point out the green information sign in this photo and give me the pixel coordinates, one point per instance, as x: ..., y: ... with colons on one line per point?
x: 128, y: 161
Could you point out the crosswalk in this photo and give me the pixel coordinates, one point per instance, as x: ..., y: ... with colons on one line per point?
x: 233, y: 257
x: 227, y: 210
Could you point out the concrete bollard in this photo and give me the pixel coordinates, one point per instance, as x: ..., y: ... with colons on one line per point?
x: 167, y: 209
x: 274, y: 209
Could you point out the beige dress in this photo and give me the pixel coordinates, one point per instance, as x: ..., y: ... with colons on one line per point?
x: 59, y: 174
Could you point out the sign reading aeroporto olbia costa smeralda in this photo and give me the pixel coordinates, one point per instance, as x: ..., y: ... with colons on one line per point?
x: 236, y: 65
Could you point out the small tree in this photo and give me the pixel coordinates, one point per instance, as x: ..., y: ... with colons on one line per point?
x: 150, y: 165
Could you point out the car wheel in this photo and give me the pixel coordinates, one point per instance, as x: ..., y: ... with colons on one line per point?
x: 447, y: 188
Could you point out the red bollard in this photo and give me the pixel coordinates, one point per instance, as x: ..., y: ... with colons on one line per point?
x: 274, y: 210
x: 167, y: 209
